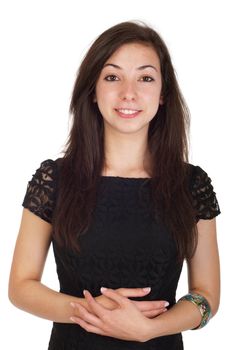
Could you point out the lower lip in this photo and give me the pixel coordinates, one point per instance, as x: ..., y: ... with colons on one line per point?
x: 127, y: 116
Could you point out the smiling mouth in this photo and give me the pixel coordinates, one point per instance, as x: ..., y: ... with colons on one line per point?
x: 127, y: 113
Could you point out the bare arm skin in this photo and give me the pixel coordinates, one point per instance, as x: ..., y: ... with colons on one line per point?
x: 25, y: 289
x: 28, y: 293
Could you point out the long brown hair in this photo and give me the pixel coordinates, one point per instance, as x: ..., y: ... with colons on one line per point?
x: 83, y: 158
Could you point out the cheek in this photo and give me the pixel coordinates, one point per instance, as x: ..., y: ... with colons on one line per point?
x: 103, y: 92
x: 149, y: 91
x: 151, y: 98
x: 106, y: 97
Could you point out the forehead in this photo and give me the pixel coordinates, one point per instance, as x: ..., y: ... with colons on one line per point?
x: 134, y: 53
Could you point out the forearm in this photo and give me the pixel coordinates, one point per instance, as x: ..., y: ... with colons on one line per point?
x: 34, y: 297
x: 182, y: 316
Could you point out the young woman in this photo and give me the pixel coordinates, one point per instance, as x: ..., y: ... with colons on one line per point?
x: 122, y: 208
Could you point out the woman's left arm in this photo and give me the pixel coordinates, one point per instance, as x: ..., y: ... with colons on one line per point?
x: 204, y: 279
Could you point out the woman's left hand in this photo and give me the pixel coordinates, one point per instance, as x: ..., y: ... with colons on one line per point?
x: 125, y: 322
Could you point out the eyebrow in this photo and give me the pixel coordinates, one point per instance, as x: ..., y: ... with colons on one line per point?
x: 139, y: 68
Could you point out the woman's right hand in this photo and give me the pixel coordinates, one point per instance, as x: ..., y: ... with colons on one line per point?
x: 149, y: 309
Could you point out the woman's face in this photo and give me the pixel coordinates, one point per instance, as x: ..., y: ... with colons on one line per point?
x: 128, y: 90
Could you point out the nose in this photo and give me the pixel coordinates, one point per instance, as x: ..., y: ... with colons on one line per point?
x: 128, y: 91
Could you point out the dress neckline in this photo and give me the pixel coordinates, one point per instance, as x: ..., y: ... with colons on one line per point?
x: 125, y: 178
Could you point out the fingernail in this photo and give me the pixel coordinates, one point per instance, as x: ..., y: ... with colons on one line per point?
x: 84, y: 292
x: 147, y: 289
x: 103, y: 289
x: 73, y: 305
x: 166, y: 304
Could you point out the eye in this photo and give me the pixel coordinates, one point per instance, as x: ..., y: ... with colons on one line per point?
x: 147, y: 79
x: 113, y: 77
x: 110, y: 76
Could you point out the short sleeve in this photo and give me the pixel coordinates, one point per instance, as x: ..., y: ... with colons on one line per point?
x: 41, y: 191
x: 204, y: 198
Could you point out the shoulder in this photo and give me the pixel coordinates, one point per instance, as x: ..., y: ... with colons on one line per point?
x: 48, y: 170
x: 41, y: 192
x: 50, y: 166
x: 197, y: 176
x: 202, y: 191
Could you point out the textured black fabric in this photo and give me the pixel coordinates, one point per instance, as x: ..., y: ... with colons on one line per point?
x: 124, y: 247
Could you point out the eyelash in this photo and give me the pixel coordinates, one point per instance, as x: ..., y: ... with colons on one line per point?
x: 145, y: 76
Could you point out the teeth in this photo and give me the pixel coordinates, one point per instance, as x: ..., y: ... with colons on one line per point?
x: 127, y: 111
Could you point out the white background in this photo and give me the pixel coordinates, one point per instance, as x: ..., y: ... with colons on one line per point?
x: 42, y: 44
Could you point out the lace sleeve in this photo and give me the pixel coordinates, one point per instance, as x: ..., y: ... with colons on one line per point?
x: 204, y: 197
x: 40, y: 193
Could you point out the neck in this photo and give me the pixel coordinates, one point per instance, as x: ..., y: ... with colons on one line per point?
x: 126, y: 155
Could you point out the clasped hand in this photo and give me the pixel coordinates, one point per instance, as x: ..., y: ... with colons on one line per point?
x: 113, y: 314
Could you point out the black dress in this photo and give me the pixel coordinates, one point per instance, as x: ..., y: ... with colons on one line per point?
x: 124, y: 247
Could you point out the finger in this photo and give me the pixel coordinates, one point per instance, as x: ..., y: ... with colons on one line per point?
x: 112, y: 294
x: 96, y: 307
x: 75, y: 308
x: 86, y: 315
x: 150, y: 305
x: 153, y: 313
x: 133, y: 292
x: 87, y: 326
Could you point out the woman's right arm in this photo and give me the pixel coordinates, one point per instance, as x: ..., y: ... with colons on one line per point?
x: 25, y: 288
x: 28, y: 293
